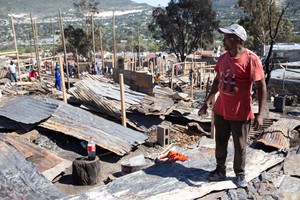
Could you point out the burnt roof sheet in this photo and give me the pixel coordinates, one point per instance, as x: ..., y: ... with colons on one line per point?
x: 27, y: 110
x: 20, y: 179
x: 106, y: 97
x: 81, y: 124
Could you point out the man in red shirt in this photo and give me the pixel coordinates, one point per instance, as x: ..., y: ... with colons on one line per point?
x: 33, y: 74
x: 237, y: 68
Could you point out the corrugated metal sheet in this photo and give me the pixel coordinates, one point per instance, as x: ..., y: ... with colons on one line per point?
x: 39, y: 157
x: 19, y: 179
x: 26, y: 109
x: 82, y: 124
x: 144, y: 123
x: 277, y: 135
x: 106, y: 97
x: 187, y: 180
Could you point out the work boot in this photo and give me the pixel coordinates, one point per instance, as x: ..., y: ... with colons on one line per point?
x: 216, y: 175
x: 241, y: 181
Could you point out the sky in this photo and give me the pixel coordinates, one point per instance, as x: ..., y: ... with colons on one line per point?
x: 154, y: 2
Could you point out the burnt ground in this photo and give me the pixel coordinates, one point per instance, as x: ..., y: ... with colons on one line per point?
x: 71, y: 148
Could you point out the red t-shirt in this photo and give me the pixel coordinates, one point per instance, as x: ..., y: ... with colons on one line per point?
x: 235, y: 85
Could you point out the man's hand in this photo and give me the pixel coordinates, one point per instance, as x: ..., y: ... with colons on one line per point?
x: 202, y: 110
x: 258, y: 122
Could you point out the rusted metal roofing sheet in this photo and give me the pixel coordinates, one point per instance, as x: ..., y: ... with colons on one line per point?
x: 20, y: 179
x: 277, y: 135
x: 39, y: 157
x: 27, y: 110
x: 106, y: 97
x: 187, y: 180
x: 82, y: 124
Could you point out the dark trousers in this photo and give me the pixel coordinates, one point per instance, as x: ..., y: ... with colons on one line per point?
x: 13, y: 77
x: 240, y: 131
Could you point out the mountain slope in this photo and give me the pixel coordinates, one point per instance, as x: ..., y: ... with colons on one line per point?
x: 47, y: 7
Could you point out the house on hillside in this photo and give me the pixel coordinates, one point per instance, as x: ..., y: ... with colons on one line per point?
x: 284, y: 52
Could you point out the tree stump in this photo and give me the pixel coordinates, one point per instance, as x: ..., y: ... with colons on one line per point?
x: 86, y: 172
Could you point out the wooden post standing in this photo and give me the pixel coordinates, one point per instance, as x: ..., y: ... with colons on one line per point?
x: 151, y: 67
x: 102, y: 52
x: 114, y: 40
x: 93, y: 38
x: 16, y: 46
x: 121, y: 81
x: 172, y: 76
x: 139, y: 53
x: 212, y: 127
x: 192, y: 84
x: 78, y: 71
x: 63, y: 84
x: 52, y: 27
x: 65, y: 50
x: 36, y: 46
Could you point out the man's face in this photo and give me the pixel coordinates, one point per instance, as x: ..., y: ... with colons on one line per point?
x: 229, y: 41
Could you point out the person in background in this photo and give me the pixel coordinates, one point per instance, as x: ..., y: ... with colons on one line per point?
x: 191, y: 76
x: 33, y: 75
x: 57, y: 78
x: 12, y: 70
x: 70, y: 69
x: 237, y: 68
x: 157, y: 79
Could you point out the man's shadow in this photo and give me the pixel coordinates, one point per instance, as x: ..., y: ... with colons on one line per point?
x: 193, y: 177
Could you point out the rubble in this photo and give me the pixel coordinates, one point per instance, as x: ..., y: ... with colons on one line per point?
x: 60, y: 117
x: 271, y: 175
x: 186, y: 180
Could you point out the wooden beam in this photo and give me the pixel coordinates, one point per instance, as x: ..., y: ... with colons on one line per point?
x: 63, y: 84
x: 114, y: 40
x: 53, y: 33
x: 36, y: 46
x: 64, y: 44
x: 78, y: 72
x: 16, y: 46
x: 212, y: 128
x: 139, y: 49
x: 123, y: 107
x: 6, y: 53
x: 93, y: 40
x: 102, y: 52
x: 192, y: 83
x: 172, y: 75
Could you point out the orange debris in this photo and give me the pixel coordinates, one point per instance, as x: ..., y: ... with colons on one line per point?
x: 175, y: 156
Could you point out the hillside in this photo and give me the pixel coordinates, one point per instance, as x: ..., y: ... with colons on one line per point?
x: 47, y: 7
x: 224, y: 3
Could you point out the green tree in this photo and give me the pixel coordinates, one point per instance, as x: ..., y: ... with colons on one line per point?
x: 267, y: 24
x: 261, y: 18
x: 76, y: 38
x: 184, y: 25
